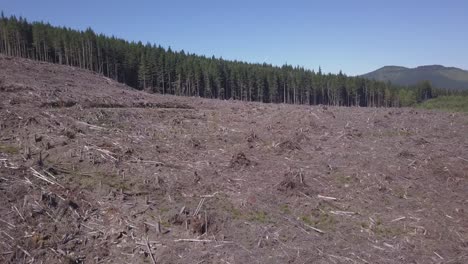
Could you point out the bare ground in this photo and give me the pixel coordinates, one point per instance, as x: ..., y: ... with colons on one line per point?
x: 94, y: 172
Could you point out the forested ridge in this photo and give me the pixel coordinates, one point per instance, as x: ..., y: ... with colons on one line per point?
x: 156, y: 69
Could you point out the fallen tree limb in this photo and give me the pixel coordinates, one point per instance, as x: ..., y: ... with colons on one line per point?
x: 315, y: 229
x: 44, y: 178
x: 149, y: 251
x: 327, y: 197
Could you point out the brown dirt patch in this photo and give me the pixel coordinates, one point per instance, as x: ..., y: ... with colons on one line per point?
x: 94, y: 172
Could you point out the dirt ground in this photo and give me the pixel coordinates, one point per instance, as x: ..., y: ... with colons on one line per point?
x: 92, y: 171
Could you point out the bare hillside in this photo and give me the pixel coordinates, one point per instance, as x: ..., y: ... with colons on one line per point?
x: 92, y: 171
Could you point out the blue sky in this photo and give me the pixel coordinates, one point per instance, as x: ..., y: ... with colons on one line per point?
x: 353, y: 36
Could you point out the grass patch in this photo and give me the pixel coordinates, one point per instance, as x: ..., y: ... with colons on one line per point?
x: 236, y: 213
x: 96, y: 179
x: 229, y: 208
x: 251, y: 216
x: 165, y: 223
x: 447, y: 103
x: 321, y: 220
x: 260, y: 216
x: 285, y: 209
x: 400, y: 192
x: 306, y: 219
x: 387, y: 231
x: 343, y: 180
x: 9, y: 149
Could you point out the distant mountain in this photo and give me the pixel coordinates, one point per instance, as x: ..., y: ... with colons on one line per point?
x: 438, y: 75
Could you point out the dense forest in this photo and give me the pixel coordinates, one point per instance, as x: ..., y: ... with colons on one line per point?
x: 156, y: 69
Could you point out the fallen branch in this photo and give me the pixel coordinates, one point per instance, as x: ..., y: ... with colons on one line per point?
x: 16, y: 209
x: 107, y: 152
x: 438, y: 255
x: 315, y: 115
x: 342, y: 258
x: 209, y: 195
x: 412, y: 163
x: 6, y: 234
x: 338, y: 138
x: 90, y: 126
x: 149, y: 251
x: 44, y: 178
x: 200, y: 204
x: 194, y: 240
x: 8, y: 165
x: 12, y: 225
x: 346, y: 213
x: 327, y: 197
x: 297, y: 225
x: 379, y: 248
x: 315, y: 229
x: 24, y: 251
x: 398, y: 219
x: 150, y: 242
x: 147, y: 161
x: 157, y: 226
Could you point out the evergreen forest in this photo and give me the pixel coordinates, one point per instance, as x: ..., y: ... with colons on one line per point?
x: 156, y: 69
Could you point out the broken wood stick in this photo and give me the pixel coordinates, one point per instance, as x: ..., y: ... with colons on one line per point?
x: 346, y: 213
x: 6, y: 234
x: 192, y: 240
x: 201, y: 240
x: 24, y: 251
x: 200, y: 204
x: 398, y: 219
x: 149, y: 251
x: 315, y: 229
x: 90, y: 126
x: 16, y: 209
x: 44, y: 178
x: 12, y: 225
x: 210, y: 195
x: 327, y: 197
x: 157, y: 226
x: 147, y: 161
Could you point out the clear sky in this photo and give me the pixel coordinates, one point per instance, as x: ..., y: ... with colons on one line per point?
x: 355, y: 36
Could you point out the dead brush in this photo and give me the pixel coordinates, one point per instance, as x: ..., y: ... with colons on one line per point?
x: 292, y: 180
x: 198, y: 223
x: 240, y: 160
x: 252, y: 137
x: 195, y: 143
x: 293, y: 143
x: 288, y: 145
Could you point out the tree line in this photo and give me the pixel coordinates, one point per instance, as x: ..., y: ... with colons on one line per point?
x: 159, y: 70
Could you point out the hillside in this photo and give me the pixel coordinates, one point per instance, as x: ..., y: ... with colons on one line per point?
x: 440, y: 76
x: 92, y: 171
